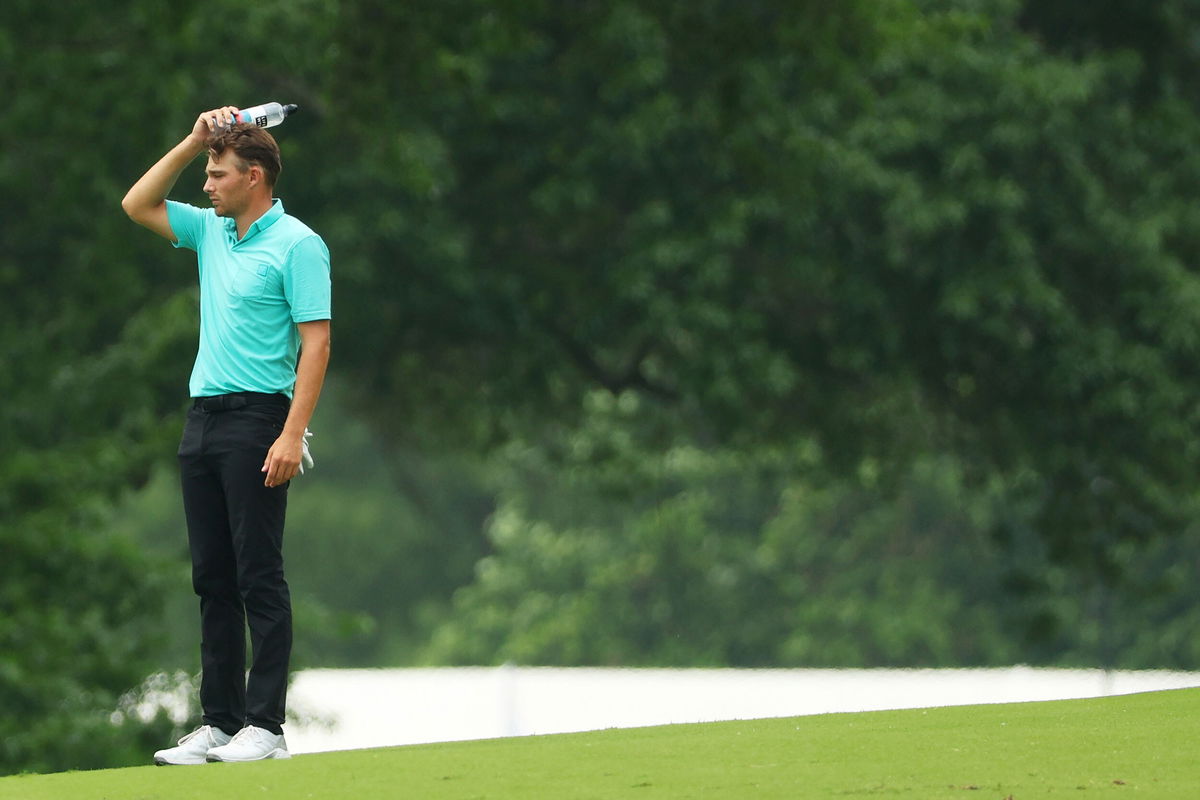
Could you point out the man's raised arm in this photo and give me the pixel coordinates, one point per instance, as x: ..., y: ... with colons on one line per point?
x: 145, y: 202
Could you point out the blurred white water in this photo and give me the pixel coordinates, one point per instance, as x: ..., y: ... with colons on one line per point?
x: 348, y: 709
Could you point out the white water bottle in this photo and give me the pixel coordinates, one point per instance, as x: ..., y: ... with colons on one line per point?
x: 265, y: 116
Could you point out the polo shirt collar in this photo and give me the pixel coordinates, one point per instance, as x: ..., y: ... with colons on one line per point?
x: 262, y: 223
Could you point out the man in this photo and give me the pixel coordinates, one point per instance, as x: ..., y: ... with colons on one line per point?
x: 264, y: 348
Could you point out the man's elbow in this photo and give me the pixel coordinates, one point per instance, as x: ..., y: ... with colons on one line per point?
x: 132, y: 208
x: 325, y: 345
x: 138, y: 210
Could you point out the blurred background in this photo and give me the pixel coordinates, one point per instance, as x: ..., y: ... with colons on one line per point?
x: 768, y: 333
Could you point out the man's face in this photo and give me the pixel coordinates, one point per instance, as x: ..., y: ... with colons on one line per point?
x: 227, y: 186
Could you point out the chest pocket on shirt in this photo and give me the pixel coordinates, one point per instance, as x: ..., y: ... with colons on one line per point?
x: 251, y: 281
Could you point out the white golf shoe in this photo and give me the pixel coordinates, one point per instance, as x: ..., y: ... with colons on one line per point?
x: 193, y: 748
x: 251, y: 744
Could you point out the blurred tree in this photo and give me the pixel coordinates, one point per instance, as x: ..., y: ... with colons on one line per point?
x: 732, y: 560
x: 1161, y: 34
x: 889, y: 228
x: 612, y: 553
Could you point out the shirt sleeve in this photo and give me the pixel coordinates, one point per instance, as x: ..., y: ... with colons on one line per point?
x: 187, y: 223
x: 306, y: 282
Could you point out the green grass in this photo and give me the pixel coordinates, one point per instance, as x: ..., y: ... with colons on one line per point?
x: 1140, y: 746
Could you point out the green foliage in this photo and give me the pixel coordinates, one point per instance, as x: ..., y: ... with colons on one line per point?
x: 1157, y: 34
x: 694, y: 558
x: 74, y: 605
x: 878, y: 232
x: 887, y: 229
x: 620, y: 556
x: 567, y: 197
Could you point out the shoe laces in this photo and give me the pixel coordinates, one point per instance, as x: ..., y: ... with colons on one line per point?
x: 201, y: 731
x: 247, y: 733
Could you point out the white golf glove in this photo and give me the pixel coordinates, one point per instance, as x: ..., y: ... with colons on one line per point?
x: 306, y: 459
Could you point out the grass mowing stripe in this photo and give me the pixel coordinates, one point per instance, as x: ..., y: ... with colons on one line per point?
x: 1117, y: 746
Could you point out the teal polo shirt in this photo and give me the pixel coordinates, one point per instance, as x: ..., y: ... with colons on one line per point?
x: 253, y: 291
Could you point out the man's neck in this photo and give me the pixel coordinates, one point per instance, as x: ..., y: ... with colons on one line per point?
x: 251, y: 215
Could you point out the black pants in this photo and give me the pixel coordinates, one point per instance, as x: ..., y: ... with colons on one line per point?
x: 235, y: 534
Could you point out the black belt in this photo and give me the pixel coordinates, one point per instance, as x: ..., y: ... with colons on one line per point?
x: 236, y: 400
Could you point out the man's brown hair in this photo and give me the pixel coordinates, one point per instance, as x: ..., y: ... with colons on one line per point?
x: 252, y: 145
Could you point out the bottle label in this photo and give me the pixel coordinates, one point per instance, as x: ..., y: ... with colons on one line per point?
x: 261, y: 121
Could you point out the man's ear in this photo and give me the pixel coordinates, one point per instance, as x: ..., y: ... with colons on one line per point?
x: 256, y: 174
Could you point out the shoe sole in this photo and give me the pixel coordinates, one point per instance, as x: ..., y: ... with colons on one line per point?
x: 162, y: 762
x: 267, y: 757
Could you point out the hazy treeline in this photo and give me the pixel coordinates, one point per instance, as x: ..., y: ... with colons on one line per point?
x: 687, y: 333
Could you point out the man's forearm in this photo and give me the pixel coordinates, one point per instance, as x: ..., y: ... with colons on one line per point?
x: 310, y: 377
x: 151, y: 190
x: 284, y: 457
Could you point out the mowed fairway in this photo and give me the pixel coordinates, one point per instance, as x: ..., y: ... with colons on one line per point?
x: 1141, y: 746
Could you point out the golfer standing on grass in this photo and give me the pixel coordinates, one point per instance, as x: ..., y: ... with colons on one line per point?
x: 264, y: 348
